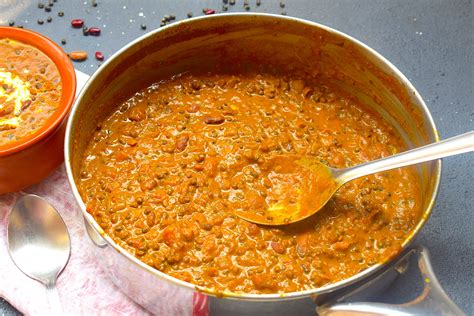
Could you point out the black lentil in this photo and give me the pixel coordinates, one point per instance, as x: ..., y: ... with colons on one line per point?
x: 61, y: 13
x: 40, y: 5
x: 85, y: 30
x: 231, y: 2
x: 258, y: 3
x: 143, y: 26
x: 225, y: 8
x: 63, y: 41
x: 40, y: 22
x: 11, y: 23
x: 282, y: 4
x: 190, y: 14
x: 20, y: 26
x: 49, y: 19
x: 94, y: 3
x: 225, y: 1
x: 50, y: 3
x: 47, y: 9
x: 283, y: 12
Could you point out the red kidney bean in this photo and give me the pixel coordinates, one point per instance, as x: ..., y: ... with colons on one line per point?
x: 277, y: 247
x: 193, y: 108
x: 95, y: 31
x: 99, y: 56
x: 77, y: 23
x: 214, y: 120
x: 182, y: 143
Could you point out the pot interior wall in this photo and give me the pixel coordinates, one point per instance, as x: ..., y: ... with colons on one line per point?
x: 261, y: 43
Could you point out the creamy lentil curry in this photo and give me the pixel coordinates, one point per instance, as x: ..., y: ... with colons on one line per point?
x: 165, y: 172
x: 30, y: 90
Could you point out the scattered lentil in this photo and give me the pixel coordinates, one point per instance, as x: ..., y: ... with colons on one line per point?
x: 99, y: 56
x: 77, y: 23
x: 78, y: 55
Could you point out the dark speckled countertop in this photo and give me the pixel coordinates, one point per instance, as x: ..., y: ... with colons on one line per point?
x: 430, y: 41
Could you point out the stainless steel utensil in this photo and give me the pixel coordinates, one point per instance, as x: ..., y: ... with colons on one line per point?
x: 327, y: 180
x: 39, y: 243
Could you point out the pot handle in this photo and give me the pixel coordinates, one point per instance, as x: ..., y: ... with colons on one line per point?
x: 432, y: 301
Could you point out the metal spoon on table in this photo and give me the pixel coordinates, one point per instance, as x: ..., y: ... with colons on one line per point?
x: 39, y: 244
x: 311, y: 184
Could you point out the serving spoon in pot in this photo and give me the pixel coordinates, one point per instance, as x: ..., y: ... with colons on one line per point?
x: 39, y: 244
x: 304, y: 185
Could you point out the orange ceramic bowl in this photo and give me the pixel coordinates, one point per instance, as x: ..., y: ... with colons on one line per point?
x: 33, y: 157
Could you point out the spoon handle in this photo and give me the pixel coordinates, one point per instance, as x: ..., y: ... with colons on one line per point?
x: 452, y: 146
x: 55, y: 306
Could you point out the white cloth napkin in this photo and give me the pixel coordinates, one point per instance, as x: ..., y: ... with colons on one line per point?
x: 83, y: 287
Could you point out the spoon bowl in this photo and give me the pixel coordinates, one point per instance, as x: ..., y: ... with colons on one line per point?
x: 305, y: 185
x: 39, y: 243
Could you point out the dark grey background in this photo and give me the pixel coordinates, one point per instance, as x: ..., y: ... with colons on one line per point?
x: 431, y: 42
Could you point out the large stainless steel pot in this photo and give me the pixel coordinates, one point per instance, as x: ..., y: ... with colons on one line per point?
x: 292, y: 45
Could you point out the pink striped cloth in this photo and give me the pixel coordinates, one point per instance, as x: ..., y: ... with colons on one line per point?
x: 83, y: 287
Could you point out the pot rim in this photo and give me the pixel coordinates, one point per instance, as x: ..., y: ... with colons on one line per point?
x: 231, y: 295
x: 68, y: 79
